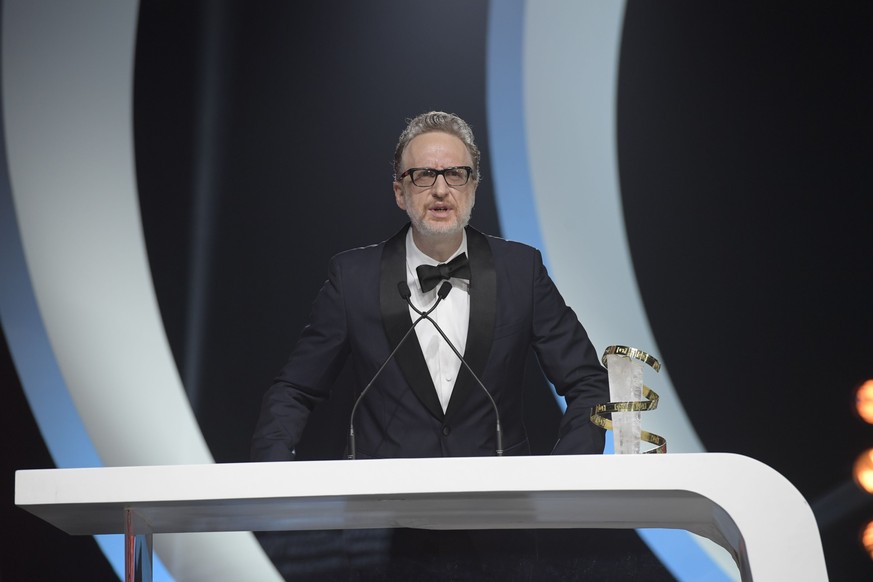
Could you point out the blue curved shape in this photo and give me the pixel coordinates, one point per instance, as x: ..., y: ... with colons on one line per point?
x: 505, y: 112
x: 516, y: 209
x: 518, y: 215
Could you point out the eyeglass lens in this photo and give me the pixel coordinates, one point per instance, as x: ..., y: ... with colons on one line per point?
x: 426, y: 177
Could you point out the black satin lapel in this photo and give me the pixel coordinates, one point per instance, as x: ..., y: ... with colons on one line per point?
x: 483, y: 313
x: 396, y: 319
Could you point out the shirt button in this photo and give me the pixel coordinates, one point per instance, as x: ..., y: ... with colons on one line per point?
x: 447, y: 430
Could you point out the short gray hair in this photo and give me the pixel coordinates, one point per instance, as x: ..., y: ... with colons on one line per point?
x: 437, y: 121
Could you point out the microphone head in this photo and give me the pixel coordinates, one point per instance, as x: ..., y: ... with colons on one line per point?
x: 404, y: 290
x: 444, y: 289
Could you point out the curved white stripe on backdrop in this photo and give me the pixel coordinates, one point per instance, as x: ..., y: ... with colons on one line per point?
x: 570, y: 80
x: 567, y: 143
x: 67, y: 98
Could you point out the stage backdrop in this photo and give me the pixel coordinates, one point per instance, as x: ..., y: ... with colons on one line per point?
x: 175, y: 178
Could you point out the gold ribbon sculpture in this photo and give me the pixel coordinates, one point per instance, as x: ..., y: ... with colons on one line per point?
x: 650, y: 403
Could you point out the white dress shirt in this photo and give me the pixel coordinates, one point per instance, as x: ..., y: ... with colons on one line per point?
x: 452, y: 315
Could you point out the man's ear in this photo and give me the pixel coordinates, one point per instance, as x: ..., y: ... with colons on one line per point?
x: 398, y: 196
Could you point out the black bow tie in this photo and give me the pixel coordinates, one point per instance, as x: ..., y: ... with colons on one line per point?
x: 429, y: 276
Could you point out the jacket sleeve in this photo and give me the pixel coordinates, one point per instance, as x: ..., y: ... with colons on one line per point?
x: 570, y: 362
x: 307, y: 377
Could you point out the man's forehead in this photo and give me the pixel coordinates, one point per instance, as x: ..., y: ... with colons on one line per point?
x: 436, y: 142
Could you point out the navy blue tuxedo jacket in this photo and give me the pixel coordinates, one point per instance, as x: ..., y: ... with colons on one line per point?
x: 359, y: 314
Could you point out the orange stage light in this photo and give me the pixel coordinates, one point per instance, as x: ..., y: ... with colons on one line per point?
x: 867, y: 539
x: 864, y: 401
x: 863, y: 470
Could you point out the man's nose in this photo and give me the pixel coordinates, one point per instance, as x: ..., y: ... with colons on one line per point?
x: 440, y: 188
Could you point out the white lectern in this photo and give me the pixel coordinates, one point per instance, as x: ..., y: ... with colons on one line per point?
x: 740, y: 503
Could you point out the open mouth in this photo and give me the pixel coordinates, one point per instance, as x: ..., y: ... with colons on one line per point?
x: 440, y: 210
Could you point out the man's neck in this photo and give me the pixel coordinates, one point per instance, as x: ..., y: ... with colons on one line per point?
x: 438, y: 247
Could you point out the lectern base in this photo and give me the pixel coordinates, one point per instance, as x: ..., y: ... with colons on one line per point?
x: 137, y: 549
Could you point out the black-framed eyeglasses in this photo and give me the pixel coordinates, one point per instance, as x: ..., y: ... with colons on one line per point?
x: 426, y: 177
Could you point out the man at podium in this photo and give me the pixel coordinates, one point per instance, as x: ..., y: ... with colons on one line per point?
x: 437, y: 321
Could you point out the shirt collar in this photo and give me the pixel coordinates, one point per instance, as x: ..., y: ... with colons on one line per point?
x: 415, y: 257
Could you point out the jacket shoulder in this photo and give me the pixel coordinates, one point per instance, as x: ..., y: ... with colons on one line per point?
x: 358, y: 253
x: 370, y: 252
x: 502, y: 247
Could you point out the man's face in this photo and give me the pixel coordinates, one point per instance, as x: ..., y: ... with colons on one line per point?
x: 439, y: 209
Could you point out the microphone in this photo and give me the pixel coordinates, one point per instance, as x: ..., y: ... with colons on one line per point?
x: 441, y: 294
x: 443, y: 291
